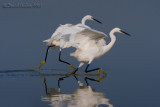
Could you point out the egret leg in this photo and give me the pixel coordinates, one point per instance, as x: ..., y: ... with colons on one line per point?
x: 43, y: 62
x: 79, y: 82
x: 99, y: 79
x: 86, y: 80
x: 73, y: 72
x: 44, y: 81
x: 65, y: 61
x: 99, y: 69
x: 81, y: 64
x: 61, y: 79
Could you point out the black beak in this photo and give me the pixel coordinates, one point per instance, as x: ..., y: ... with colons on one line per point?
x: 125, y: 33
x: 97, y: 20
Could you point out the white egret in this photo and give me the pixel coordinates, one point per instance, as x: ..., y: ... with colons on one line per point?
x: 64, y: 30
x: 90, y: 45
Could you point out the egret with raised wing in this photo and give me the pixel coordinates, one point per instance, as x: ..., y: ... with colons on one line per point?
x: 90, y: 45
x: 65, y: 30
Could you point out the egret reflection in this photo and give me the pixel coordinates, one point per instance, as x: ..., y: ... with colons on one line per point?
x: 84, y: 96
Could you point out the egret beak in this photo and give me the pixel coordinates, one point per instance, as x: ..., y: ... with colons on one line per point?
x: 125, y: 33
x: 97, y: 20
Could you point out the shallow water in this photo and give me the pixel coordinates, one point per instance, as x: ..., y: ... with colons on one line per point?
x: 55, y: 88
x: 52, y: 88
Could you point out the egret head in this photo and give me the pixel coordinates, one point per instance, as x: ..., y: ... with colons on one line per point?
x: 120, y: 31
x: 89, y: 17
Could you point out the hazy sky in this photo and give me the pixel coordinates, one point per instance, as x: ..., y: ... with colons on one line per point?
x: 22, y: 31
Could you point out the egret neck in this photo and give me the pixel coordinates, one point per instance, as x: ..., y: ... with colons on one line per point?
x: 113, y: 40
x: 84, y: 20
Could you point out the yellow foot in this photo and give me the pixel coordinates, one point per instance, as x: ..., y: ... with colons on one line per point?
x: 68, y: 73
x: 73, y: 72
x: 43, y: 79
x: 41, y: 64
x: 72, y: 66
x: 101, y: 71
x: 100, y: 79
x: 59, y: 90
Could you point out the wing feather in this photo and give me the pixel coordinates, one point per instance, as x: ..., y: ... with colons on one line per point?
x: 91, y: 33
x: 80, y: 38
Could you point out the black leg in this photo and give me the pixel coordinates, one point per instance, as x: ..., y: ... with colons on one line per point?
x: 62, y: 60
x: 75, y: 77
x: 46, y: 89
x: 60, y: 79
x: 70, y: 65
x: 86, y: 80
x: 47, y: 51
x: 74, y: 71
x: 86, y: 70
x: 43, y: 62
x: 99, y: 69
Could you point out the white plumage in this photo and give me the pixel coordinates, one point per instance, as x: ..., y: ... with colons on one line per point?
x: 65, y: 31
x: 90, y: 45
x: 82, y: 37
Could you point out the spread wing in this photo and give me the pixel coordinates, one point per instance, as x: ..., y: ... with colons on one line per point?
x: 91, y: 34
x: 84, y: 36
x: 64, y: 30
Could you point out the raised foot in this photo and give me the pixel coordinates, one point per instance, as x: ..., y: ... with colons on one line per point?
x: 101, y: 71
x: 41, y: 64
x: 72, y: 66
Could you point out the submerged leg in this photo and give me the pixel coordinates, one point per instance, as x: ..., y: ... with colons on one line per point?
x: 46, y: 88
x: 65, y: 61
x: 98, y: 80
x: 60, y: 79
x: 43, y: 62
x: 86, y: 80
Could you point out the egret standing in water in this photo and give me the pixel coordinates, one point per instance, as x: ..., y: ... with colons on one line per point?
x: 90, y: 45
x: 65, y: 30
